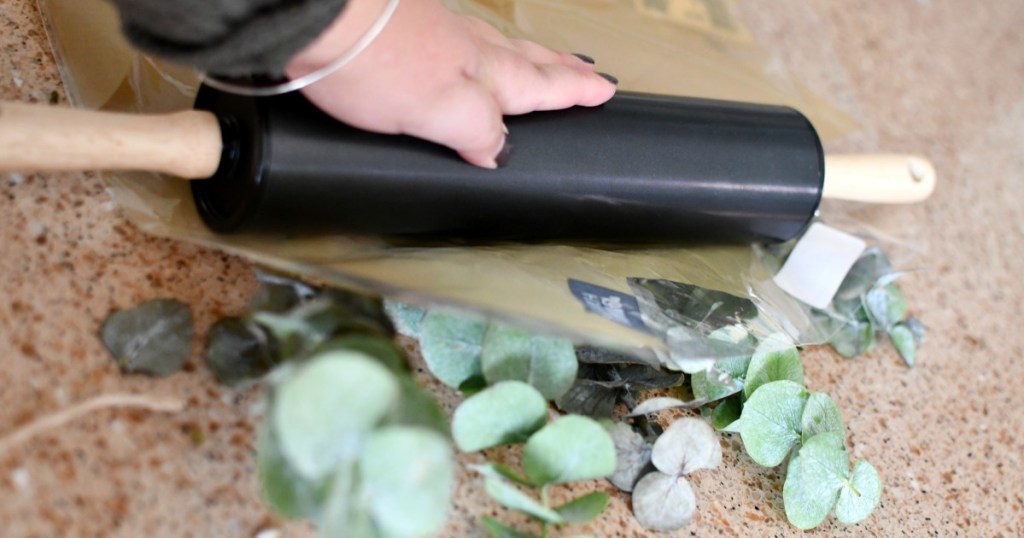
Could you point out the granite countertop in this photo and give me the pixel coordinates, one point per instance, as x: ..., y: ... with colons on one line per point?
x: 945, y: 79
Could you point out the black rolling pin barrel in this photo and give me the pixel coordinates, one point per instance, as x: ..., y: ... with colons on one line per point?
x: 641, y: 168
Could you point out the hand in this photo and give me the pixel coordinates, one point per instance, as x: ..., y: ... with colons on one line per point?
x: 443, y: 77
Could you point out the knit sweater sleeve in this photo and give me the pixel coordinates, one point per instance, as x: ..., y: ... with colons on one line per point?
x: 227, y: 37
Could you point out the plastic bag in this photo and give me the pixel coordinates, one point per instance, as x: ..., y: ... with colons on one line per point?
x: 686, y: 47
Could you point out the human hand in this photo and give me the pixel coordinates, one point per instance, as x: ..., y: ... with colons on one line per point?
x: 443, y: 77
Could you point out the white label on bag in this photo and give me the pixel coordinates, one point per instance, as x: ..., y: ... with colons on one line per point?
x: 818, y: 264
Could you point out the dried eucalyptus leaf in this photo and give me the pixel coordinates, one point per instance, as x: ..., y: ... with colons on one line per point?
x: 408, y: 476
x: 589, y: 398
x: 451, y: 345
x: 860, y: 495
x: 598, y: 355
x: 632, y: 454
x: 871, y: 266
x: 770, y: 422
x: 775, y: 359
x: 661, y: 403
x: 322, y: 411
x: 815, y: 475
x: 821, y: 415
x: 853, y: 339
x: 663, y: 503
x: 585, y: 508
x: 498, y: 529
x: 902, y: 338
x: 643, y: 377
x: 546, y: 363
x: 727, y: 413
x: 689, y: 305
x: 288, y: 493
x: 507, y: 412
x: 688, y: 350
x: 686, y: 445
x: 511, y: 497
x: 405, y: 318
x: 570, y: 449
x: 153, y: 338
x: 237, y: 352
x: 279, y: 294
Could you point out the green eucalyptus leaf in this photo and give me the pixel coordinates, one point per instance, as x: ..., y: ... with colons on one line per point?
x: 408, y: 475
x: 632, y: 455
x: 686, y: 445
x: 291, y: 335
x: 378, y: 347
x: 885, y: 305
x: 711, y: 385
x: 727, y: 412
x: 775, y: 359
x: 853, y: 339
x: 902, y: 338
x: 870, y: 267
x: 860, y: 495
x: 237, y: 352
x: 570, y: 449
x: 451, y: 344
x: 770, y: 422
x: 322, y: 411
x: 498, y: 529
x: 511, y: 497
x: 816, y: 474
x: 288, y: 493
x: 153, y: 338
x: 507, y: 412
x: 547, y: 363
x: 345, y: 512
x: 510, y: 474
x: 585, y: 508
x: 663, y: 503
x: 405, y: 318
x: 417, y: 407
x: 821, y: 415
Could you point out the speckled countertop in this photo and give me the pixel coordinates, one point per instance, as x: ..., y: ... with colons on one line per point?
x: 939, y: 77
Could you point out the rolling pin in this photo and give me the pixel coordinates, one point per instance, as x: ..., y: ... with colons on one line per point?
x: 639, y: 169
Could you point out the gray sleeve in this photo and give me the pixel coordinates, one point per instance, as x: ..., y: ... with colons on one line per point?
x: 227, y: 37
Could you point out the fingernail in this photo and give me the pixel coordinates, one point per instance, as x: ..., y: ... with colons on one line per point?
x: 506, y: 152
x: 609, y: 78
x: 504, y: 129
x: 584, y: 57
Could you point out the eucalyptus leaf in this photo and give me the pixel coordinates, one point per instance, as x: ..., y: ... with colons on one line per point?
x: 511, y: 497
x: 770, y: 422
x: 408, y: 475
x: 322, y: 411
x: 378, y: 347
x: 546, y: 363
x: 902, y: 338
x: 916, y: 328
x: 632, y: 455
x: 816, y: 474
x: 153, y: 338
x: 691, y: 305
x: 451, y: 345
x: 869, y: 268
x: 726, y: 413
x: 853, y: 339
x: 885, y: 305
x: 663, y: 503
x: 775, y: 359
x: 686, y: 445
x: 600, y: 355
x: 498, y: 529
x: 507, y: 412
x: 288, y: 493
x: 510, y: 474
x: 417, y: 407
x: 585, y: 508
x: 405, y: 318
x: 589, y: 398
x: 661, y: 403
x: 344, y: 512
x: 860, y: 495
x: 821, y: 415
x: 279, y: 293
x: 237, y: 352
x: 570, y: 449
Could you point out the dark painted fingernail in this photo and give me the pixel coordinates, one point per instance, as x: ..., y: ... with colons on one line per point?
x: 505, y: 153
x: 584, y: 57
x: 609, y: 78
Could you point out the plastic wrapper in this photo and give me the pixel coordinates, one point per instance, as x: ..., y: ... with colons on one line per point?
x: 610, y: 297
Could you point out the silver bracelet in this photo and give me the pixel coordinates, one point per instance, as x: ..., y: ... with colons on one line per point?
x: 278, y: 88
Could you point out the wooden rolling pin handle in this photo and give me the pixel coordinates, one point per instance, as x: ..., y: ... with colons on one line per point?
x: 39, y: 138
x: 878, y: 178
